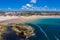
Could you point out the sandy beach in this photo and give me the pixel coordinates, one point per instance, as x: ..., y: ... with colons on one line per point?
x: 2, y: 18
x: 20, y: 19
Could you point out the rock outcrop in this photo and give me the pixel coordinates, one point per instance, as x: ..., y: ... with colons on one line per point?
x: 21, y: 31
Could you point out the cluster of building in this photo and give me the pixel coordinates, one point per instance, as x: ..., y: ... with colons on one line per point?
x: 29, y: 13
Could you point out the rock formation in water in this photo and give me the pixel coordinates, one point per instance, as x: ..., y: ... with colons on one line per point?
x: 15, y: 31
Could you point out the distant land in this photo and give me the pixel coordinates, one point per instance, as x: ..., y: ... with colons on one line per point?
x: 29, y: 11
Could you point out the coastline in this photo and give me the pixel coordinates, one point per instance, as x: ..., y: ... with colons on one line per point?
x: 21, y: 19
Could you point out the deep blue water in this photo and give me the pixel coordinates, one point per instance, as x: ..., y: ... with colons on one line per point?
x: 45, y: 28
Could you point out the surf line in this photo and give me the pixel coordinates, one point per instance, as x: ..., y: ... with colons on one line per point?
x: 56, y: 38
x: 42, y: 31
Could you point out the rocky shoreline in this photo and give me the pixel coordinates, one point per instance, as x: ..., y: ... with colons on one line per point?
x: 16, y: 31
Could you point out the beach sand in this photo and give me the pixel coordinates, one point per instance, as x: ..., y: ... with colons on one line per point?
x: 20, y: 19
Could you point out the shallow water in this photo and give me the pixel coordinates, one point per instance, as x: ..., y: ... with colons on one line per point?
x: 46, y: 28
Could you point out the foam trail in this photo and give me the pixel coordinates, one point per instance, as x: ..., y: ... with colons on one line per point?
x: 42, y: 31
x: 56, y: 38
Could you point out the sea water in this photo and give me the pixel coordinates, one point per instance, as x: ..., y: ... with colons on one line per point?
x: 45, y: 28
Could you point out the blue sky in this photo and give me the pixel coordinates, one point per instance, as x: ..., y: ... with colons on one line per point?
x: 32, y: 5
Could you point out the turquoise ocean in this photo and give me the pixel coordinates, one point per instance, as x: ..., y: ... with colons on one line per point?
x: 45, y: 28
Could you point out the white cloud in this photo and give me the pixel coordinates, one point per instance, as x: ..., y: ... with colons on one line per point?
x: 0, y: 9
x: 34, y: 8
x: 55, y: 9
x: 45, y: 6
x: 9, y: 8
x: 28, y: 5
x: 24, y: 7
x: 33, y: 1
